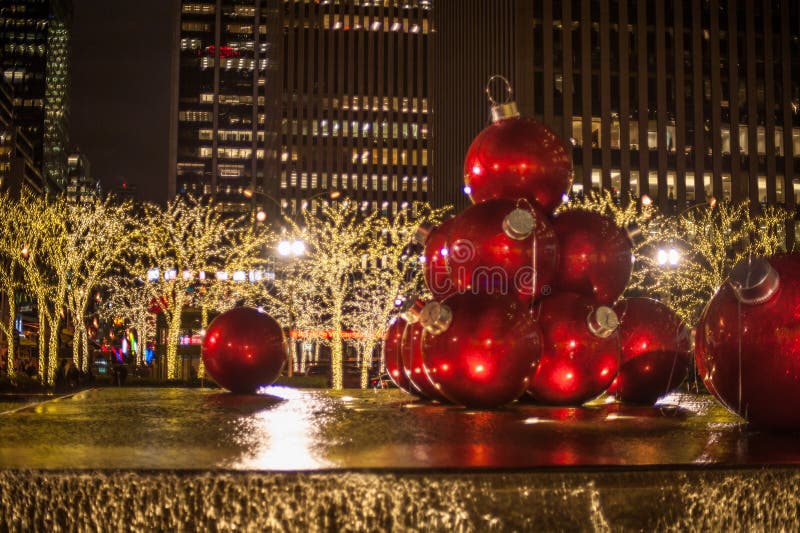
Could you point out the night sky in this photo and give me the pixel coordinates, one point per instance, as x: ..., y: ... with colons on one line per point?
x: 120, y: 91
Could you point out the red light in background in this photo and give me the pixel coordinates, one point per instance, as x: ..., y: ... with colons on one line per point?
x: 224, y: 51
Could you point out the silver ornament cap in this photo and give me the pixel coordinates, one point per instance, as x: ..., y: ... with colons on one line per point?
x: 412, y: 311
x: 519, y: 224
x: 503, y: 111
x: 634, y: 233
x: 754, y: 281
x: 424, y: 229
x: 603, y: 322
x: 436, y: 318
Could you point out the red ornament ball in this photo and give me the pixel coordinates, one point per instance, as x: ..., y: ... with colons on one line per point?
x: 480, y: 349
x: 411, y: 351
x: 244, y: 349
x: 490, y: 249
x: 580, y: 350
x: 393, y: 358
x: 748, y: 342
x: 518, y: 157
x: 595, y: 256
x: 436, y: 269
x: 655, y: 351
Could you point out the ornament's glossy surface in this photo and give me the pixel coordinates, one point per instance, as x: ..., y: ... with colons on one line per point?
x: 748, y: 355
x: 483, y: 258
x: 576, y: 364
x: 485, y: 356
x: 244, y: 349
x: 393, y: 358
x: 594, y: 256
x: 519, y: 158
x: 655, y: 351
x: 411, y: 352
x: 436, y: 269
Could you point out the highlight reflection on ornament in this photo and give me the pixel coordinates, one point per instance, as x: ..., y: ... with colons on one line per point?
x: 748, y: 342
x: 655, y: 351
x: 492, y: 246
x: 244, y: 349
x: 392, y: 356
x: 517, y: 157
x: 580, y: 350
x: 595, y: 255
x: 479, y: 349
x: 411, y: 355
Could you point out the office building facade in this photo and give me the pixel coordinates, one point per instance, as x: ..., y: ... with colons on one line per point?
x: 284, y: 104
x: 34, y: 39
x: 81, y: 187
x: 18, y: 169
x: 677, y: 99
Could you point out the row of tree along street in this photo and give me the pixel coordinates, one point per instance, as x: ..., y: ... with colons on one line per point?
x: 86, y: 265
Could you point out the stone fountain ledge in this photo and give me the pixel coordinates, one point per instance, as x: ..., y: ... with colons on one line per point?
x: 699, y: 499
x: 294, y: 460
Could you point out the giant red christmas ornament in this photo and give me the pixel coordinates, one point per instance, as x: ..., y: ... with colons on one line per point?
x: 411, y: 353
x: 244, y: 349
x: 393, y: 358
x: 436, y: 269
x: 518, y: 157
x: 748, y: 342
x: 479, y: 349
x: 654, y: 357
x: 491, y: 249
x: 580, y: 350
x: 595, y: 255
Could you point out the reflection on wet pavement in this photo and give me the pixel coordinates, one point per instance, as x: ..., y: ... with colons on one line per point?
x: 291, y: 429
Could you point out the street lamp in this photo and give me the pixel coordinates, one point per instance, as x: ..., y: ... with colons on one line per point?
x: 294, y: 248
x: 669, y: 256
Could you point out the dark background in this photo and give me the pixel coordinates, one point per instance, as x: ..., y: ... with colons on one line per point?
x: 120, y: 94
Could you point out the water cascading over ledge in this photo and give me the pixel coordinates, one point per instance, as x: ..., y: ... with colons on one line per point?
x: 598, y: 500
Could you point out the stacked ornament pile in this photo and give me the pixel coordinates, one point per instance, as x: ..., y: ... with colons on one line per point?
x: 527, y: 301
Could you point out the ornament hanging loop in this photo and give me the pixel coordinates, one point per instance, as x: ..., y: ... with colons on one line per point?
x: 509, y: 90
x: 501, y: 110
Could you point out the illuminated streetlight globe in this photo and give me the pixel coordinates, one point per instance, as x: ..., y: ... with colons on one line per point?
x: 674, y: 256
x: 284, y: 248
x: 298, y: 248
x: 261, y: 216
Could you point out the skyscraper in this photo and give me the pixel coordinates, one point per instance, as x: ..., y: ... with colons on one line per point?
x: 294, y: 102
x: 81, y: 187
x: 17, y: 168
x: 34, y: 39
x: 676, y: 99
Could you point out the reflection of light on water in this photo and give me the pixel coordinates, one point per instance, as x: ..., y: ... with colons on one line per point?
x: 617, y: 416
x: 284, y: 393
x: 699, y: 404
x: 282, y: 438
x: 535, y: 420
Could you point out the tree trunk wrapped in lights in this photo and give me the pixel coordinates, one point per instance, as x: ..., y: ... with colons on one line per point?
x: 392, y: 274
x: 181, y: 247
x: 12, y: 243
x: 130, y: 301
x: 356, y: 263
x: 336, y: 240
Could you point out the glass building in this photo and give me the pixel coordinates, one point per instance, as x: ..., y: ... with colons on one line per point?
x: 34, y: 40
x: 288, y: 103
x: 676, y: 99
x: 81, y: 187
x: 17, y: 167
